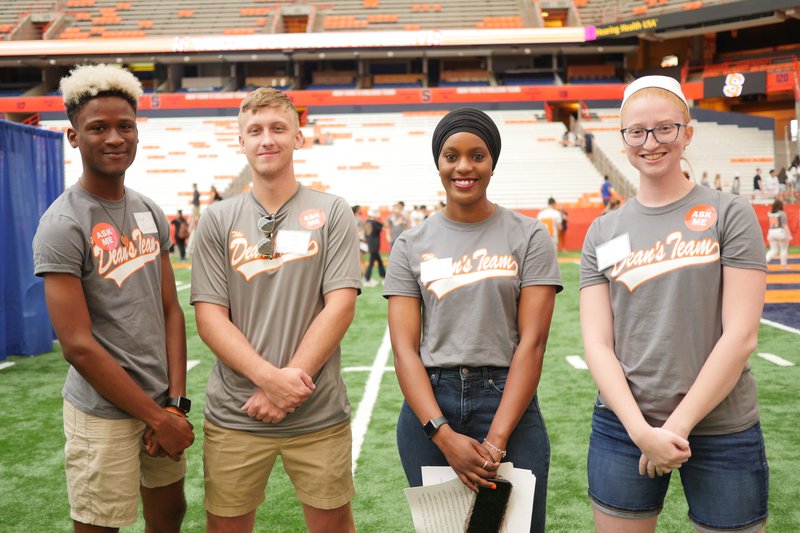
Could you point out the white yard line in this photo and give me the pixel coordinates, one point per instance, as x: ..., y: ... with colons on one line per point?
x: 577, y: 362
x: 191, y: 363
x: 360, y: 423
x: 778, y: 325
x: 7, y: 364
x: 182, y: 286
x: 772, y: 358
x: 365, y: 369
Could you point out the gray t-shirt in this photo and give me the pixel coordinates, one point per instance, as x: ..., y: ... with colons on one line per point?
x: 469, y: 313
x: 121, y: 284
x: 666, y: 297
x: 273, y: 302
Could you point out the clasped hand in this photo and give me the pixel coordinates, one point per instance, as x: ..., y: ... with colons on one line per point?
x: 662, y: 452
x: 173, y: 435
x: 472, y: 463
x: 287, y: 388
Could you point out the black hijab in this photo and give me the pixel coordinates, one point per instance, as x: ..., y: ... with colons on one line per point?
x: 470, y: 120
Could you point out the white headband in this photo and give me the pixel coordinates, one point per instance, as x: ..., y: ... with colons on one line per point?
x: 662, y: 82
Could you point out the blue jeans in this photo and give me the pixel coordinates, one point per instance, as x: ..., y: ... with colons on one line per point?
x: 469, y: 398
x: 725, y: 482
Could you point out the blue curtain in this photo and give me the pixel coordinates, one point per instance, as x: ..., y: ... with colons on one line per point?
x: 31, y: 178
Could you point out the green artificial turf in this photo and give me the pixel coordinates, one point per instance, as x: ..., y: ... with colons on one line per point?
x: 32, y: 486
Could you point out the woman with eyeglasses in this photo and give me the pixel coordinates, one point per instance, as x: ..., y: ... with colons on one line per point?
x: 478, y: 281
x: 672, y: 288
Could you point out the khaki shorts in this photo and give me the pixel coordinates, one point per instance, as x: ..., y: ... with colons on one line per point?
x: 237, y: 465
x: 106, y: 463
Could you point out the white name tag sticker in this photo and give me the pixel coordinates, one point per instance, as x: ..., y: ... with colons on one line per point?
x: 434, y: 269
x: 292, y: 242
x: 613, y: 251
x: 145, y: 222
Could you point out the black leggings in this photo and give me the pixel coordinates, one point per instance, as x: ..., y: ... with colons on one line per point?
x: 375, y: 257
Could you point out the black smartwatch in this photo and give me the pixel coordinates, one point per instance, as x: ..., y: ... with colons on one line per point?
x: 433, y: 426
x: 183, y: 404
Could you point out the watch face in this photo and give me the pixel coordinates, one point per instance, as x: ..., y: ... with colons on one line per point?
x: 433, y: 425
x: 182, y: 403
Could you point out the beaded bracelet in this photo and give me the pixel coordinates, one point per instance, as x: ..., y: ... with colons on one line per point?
x: 495, y: 448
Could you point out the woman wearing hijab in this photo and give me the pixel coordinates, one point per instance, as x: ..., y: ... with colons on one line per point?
x: 479, y: 282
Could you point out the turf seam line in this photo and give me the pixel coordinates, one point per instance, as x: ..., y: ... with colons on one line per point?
x: 360, y: 423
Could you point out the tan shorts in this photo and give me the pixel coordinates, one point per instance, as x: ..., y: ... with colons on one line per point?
x: 106, y: 463
x: 237, y: 465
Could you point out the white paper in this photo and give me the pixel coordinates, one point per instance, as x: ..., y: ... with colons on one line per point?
x: 442, y: 503
x: 434, y: 269
x: 613, y: 251
x: 292, y: 242
x: 440, y: 508
x: 145, y: 222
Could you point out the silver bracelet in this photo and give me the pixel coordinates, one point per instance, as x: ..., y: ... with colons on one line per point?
x: 495, y: 448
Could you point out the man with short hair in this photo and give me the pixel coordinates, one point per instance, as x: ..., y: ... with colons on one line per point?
x: 551, y: 217
x: 103, y: 250
x: 275, y: 277
x: 757, y: 181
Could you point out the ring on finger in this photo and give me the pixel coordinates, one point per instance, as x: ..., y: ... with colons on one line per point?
x: 485, y: 463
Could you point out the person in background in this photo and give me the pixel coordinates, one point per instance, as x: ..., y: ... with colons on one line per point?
x: 717, y: 182
x: 778, y: 234
x: 704, y: 181
x: 274, y: 285
x: 782, y: 180
x: 103, y: 250
x: 181, y: 226
x: 672, y: 289
x: 373, y: 227
x: 397, y: 223
x: 550, y: 216
x: 606, y: 191
x: 736, y: 185
x: 195, y: 206
x: 757, y: 181
x: 215, y: 195
x: 362, y: 238
x: 478, y: 282
x: 772, y: 185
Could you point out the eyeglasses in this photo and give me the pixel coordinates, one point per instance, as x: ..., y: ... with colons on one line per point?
x: 663, y: 134
x: 266, y: 246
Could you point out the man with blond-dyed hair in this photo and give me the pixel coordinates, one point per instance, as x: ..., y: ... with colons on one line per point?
x: 274, y: 282
x: 103, y: 250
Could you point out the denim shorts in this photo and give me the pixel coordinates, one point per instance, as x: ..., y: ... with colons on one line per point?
x: 469, y: 398
x: 725, y: 482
